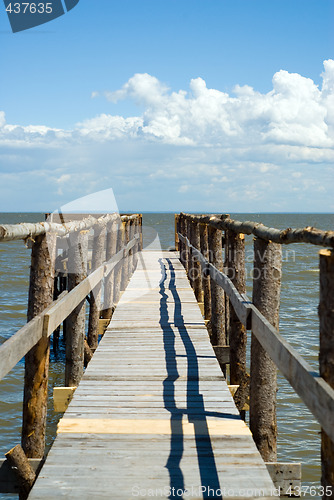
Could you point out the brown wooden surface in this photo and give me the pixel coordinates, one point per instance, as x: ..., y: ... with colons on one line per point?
x: 263, y: 374
x: 35, y: 397
x: 152, y: 409
x: 326, y: 358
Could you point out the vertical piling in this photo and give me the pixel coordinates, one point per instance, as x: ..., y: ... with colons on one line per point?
x: 111, y: 243
x: 217, y: 322
x: 235, y: 270
x: 326, y: 359
x: 76, y: 321
x: 205, y: 279
x: 184, y: 231
x: 125, y: 267
x: 41, y: 289
x: 176, y: 238
x: 263, y: 383
x: 95, y: 296
x: 196, y: 266
x: 119, y: 267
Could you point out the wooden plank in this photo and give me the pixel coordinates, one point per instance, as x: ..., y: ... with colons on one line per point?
x: 62, y: 396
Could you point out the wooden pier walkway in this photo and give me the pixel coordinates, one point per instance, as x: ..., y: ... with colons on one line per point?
x: 153, y: 415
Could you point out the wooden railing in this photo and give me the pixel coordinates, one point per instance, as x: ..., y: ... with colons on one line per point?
x: 199, y: 239
x: 116, y: 241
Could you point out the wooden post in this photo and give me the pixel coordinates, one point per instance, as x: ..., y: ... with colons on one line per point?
x: 184, y: 231
x: 176, y: 223
x: 217, y: 322
x: 196, y: 266
x: 326, y: 359
x: 190, y: 255
x: 35, y: 399
x: 119, y: 267
x: 141, y: 231
x: 111, y: 245
x: 263, y: 382
x: 136, y: 232
x: 235, y: 270
x: 76, y: 321
x: 205, y: 279
x: 24, y: 472
x: 95, y: 303
x: 125, y: 260
x: 130, y: 258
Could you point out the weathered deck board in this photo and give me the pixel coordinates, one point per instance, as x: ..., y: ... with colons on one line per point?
x: 153, y: 411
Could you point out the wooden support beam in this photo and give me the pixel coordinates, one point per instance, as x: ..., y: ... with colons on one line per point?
x: 235, y: 270
x: 196, y: 266
x: 326, y: 359
x: 217, y: 324
x: 62, y: 397
x: 263, y: 372
x: 111, y: 249
x: 95, y: 306
x: 25, y: 474
x: 204, y: 248
x: 9, y: 482
x: 35, y: 398
x: 76, y: 321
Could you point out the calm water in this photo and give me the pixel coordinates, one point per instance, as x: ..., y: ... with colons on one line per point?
x: 298, y: 432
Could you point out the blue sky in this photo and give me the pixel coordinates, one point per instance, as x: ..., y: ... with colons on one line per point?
x: 217, y: 105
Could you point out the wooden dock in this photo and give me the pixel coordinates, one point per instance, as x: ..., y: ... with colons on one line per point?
x: 153, y: 415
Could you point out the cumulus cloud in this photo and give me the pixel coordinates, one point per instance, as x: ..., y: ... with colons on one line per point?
x: 198, y: 144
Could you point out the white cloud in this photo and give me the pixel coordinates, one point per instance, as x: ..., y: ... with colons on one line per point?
x: 198, y: 145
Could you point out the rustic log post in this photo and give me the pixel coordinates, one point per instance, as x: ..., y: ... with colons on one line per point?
x: 217, y: 322
x: 111, y: 244
x: 235, y: 270
x: 181, y: 245
x: 130, y: 258
x: 326, y: 359
x: 35, y: 399
x: 205, y: 279
x: 125, y: 261
x: 24, y: 472
x: 141, y: 232
x: 263, y: 381
x: 136, y: 232
x: 185, y: 253
x: 176, y: 223
x: 76, y: 321
x: 197, y: 270
x: 95, y: 296
x: 190, y: 254
x: 119, y: 267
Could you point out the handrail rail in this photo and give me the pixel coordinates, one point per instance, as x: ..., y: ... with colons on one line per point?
x: 25, y: 230
x: 316, y: 393
x: 17, y: 346
x: 285, y: 236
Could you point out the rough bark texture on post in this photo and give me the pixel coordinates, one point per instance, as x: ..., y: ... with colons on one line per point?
x: 136, y: 248
x: 125, y: 261
x: 205, y: 279
x: 24, y: 472
x: 235, y: 270
x: 35, y: 399
x: 190, y: 254
x: 141, y: 232
x: 95, y: 303
x: 76, y: 321
x: 111, y: 245
x: 119, y: 267
x: 197, y: 278
x: 326, y: 359
x: 184, y: 231
x: 176, y: 222
x: 217, y: 322
x: 263, y: 383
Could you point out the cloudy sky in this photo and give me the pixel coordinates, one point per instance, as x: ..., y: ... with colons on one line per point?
x: 195, y: 105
